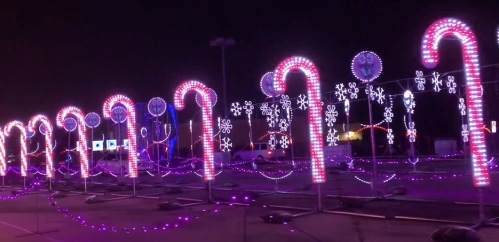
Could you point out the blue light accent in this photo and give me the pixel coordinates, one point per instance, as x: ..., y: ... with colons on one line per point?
x: 172, y: 141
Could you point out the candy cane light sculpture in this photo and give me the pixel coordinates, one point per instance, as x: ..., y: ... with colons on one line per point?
x: 314, y: 111
x: 49, y: 166
x: 204, y: 92
x: 24, y: 149
x: 131, y: 128
x: 3, y: 163
x: 82, y: 134
x: 433, y: 35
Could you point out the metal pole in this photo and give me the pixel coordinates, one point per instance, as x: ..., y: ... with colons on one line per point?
x: 373, y: 145
x: 157, y: 145
x: 92, y: 156
x: 69, y: 153
x: 190, y: 130
x: 462, y: 123
x: 209, y: 191
x: 480, y: 205
x: 251, y: 137
x: 291, y: 138
x: 119, y: 151
x: 319, y: 198
x: 412, y: 145
x: 224, y: 88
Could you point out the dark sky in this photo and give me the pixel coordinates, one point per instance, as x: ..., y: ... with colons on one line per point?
x: 57, y: 53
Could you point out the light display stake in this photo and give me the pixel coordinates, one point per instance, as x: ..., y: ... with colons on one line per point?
x: 131, y: 128
x: 62, y: 115
x: 206, y: 105
x: 429, y: 50
x: 315, y: 108
x: 48, y: 141
x: 408, y: 100
x: 92, y: 120
x: 367, y: 66
x: 3, y: 163
x: 248, y: 107
x: 190, y: 131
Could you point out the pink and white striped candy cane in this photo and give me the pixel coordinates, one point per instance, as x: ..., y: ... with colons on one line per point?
x: 24, y: 149
x: 433, y: 35
x: 3, y: 163
x: 48, y: 141
x: 82, y: 134
x: 131, y: 128
x: 314, y: 111
x: 204, y: 92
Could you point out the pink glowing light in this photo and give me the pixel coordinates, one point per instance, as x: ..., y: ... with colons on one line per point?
x: 82, y: 134
x: 131, y: 128
x: 314, y: 111
x: 3, y: 163
x: 454, y: 27
x: 48, y: 141
x: 179, y: 103
x: 24, y: 149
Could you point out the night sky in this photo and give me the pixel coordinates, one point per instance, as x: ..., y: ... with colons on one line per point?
x: 57, y: 53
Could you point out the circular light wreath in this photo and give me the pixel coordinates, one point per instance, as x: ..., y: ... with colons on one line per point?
x: 156, y: 106
x: 70, y: 124
x: 214, y: 98
x: 92, y: 120
x: 374, y: 63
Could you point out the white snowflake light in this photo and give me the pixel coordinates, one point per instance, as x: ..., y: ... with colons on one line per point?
x: 420, y: 80
x: 353, y: 90
x: 465, y: 132
x: 390, y: 136
x: 302, y: 102
x: 225, y: 126
x: 388, y: 114
x: 412, y: 132
x: 340, y: 92
x: 462, y: 106
x: 235, y: 109
x: 379, y: 95
x: 370, y: 92
x: 283, y: 125
x: 331, y: 115
x: 226, y: 144
x: 272, y: 142
x: 286, y: 103
x: 436, y: 82
x: 332, y: 137
x: 272, y: 120
x: 265, y: 109
x: 451, y: 84
x: 284, y: 142
x: 248, y: 107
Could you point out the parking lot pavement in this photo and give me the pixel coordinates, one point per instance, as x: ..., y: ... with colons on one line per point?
x: 230, y: 223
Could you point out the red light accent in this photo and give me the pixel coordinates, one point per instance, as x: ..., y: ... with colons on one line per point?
x: 269, y: 152
x: 429, y: 51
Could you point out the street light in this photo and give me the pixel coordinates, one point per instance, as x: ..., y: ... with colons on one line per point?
x: 223, y: 43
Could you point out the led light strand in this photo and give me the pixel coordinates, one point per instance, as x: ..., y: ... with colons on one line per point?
x: 3, y: 163
x: 314, y: 104
x: 433, y: 35
x: 206, y: 108
x: 82, y: 134
x: 23, y: 143
x: 130, y: 125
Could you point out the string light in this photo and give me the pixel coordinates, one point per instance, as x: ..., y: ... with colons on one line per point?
x: 24, y: 149
x: 63, y: 115
x: 429, y: 50
x: 3, y: 163
x: 48, y: 141
x: 206, y: 105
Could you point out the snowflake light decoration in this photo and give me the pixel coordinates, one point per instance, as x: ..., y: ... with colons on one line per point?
x: 272, y: 142
x: 390, y: 136
x: 302, y: 102
x: 462, y: 106
x: 331, y: 115
x: 284, y: 142
x: 379, y: 95
x: 226, y: 144
x: 370, y: 92
x: 332, y: 137
x: 465, y: 133
x: 353, y: 90
x: 420, y: 80
x: 388, y: 114
x: 248, y: 107
x: 451, y: 84
x: 412, y: 132
x: 436, y: 82
x: 286, y: 103
x: 235, y: 109
x: 340, y: 92
x: 225, y: 126
x: 265, y: 109
x: 272, y: 120
x: 283, y: 125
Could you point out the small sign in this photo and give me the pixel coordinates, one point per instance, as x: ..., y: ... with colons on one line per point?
x: 111, y: 144
x: 78, y: 146
x: 98, y: 145
x: 125, y: 144
x: 494, y: 127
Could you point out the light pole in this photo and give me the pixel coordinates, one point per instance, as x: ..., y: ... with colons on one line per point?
x: 223, y: 43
